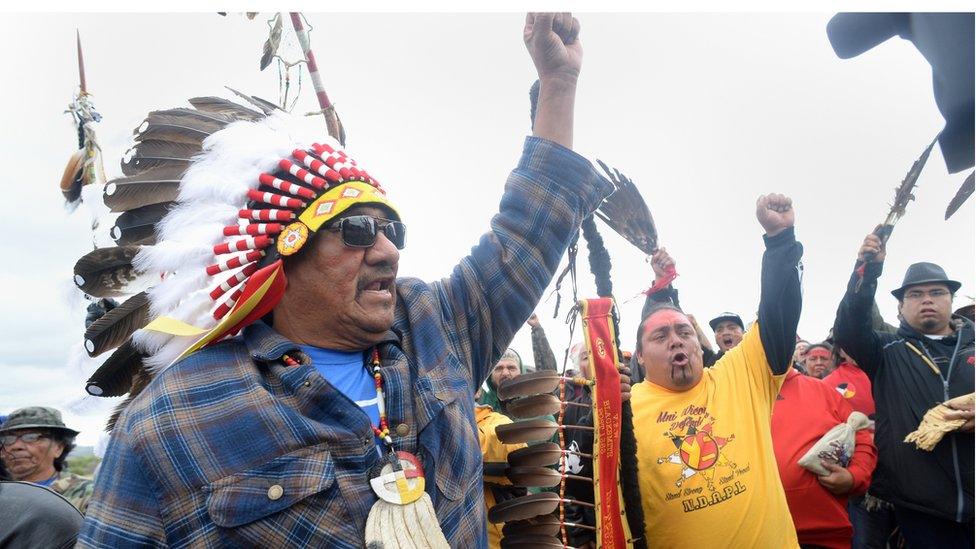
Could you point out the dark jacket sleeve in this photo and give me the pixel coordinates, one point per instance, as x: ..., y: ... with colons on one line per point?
x: 780, y: 299
x: 542, y: 353
x: 852, y: 327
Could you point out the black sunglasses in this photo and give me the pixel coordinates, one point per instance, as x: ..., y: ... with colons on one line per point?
x: 359, y: 231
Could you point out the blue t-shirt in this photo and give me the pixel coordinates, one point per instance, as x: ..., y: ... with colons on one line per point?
x: 347, y: 372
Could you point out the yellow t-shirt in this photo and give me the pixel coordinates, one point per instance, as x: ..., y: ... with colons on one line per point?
x: 707, y: 471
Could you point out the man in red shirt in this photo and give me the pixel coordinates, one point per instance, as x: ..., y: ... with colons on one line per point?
x: 852, y: 383
x: 805, y: 410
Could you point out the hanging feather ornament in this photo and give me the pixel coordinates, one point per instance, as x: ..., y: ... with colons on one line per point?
x: 84, y: 167
x: 625, y: 212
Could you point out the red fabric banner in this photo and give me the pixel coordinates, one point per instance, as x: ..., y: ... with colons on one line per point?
x: 612, y: 530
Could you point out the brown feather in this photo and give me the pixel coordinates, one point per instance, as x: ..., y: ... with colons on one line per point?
x: 524, y: 507
x: 545, y: 525
x: 626, y: 212
x: 182, y: 125
x: 219, y: 105
x: 546, y: 404
x: 115, y: 376
x: 107, y: 272
x: 140, y: 380
x: 153, y: 153
x: 71, y: 179
x: 271, y: 44
x: 542, y: 454
x: 529, y: 430
x: 531, y: 541
x: 534, y: 476
x: 266, y: 106
x: 155, y: 185
x: 532, y: 383
x: 137, y: 226
x: 115, y: 327
x: 964, y: 192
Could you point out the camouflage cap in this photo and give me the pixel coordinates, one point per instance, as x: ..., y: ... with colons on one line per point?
x: 35, y: 417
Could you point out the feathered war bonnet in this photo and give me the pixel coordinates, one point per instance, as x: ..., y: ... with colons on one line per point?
x: 212, y: 199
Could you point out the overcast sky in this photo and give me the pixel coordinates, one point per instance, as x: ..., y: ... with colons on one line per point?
x: 703, y: 111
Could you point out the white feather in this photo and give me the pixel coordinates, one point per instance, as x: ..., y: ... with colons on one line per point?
x: 170, y: 256
x: 167, y: 295
x: 194, y: 214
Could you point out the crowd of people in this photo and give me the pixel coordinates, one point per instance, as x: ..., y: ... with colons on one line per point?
x: 346, y: 412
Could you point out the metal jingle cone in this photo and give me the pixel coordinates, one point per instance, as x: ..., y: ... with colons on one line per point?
x: 530, y: 506
x: 531, y: 541
x: 538, y: 477
x: 532, y: 430
x: 532, y: 383
x: 545, y: 404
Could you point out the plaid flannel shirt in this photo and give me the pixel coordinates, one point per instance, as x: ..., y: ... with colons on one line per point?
x: 194, y: 458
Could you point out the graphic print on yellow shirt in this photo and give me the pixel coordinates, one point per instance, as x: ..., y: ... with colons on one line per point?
x: 705, y: 457
x: 697, y: 450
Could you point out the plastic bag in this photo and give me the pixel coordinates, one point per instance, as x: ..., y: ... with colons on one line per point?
x: 836, y: 446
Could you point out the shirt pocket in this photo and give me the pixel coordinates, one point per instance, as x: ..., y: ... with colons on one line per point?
x: 259, y: 492
x: 448, y: 437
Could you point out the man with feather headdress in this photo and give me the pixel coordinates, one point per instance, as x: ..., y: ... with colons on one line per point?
x: 346, y: 400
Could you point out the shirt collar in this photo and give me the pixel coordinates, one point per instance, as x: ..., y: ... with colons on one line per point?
x: 267, y: 345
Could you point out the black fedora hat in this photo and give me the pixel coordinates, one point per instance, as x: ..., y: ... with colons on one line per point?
x: 925, y: 273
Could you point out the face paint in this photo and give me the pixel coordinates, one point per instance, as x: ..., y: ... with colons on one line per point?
x: 670, y: 351
x: 664, y: 317
x: 819, y: 352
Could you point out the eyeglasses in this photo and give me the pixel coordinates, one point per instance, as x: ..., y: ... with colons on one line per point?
x: 359, y: 231
x: 919, y: 294
x: 29, y: 438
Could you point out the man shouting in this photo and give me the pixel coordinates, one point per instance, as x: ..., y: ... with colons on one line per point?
x: 704, y: 448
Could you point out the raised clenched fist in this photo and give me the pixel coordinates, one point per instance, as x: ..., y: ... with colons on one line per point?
x: 553, y: 42
x: 775, y: 213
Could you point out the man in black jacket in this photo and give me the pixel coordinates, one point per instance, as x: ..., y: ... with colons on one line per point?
x: 928, y: 361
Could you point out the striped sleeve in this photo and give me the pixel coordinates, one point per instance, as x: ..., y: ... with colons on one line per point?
x: 493, y: 291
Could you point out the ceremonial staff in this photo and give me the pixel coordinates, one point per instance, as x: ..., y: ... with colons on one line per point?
x: 903, y: 195
x: 328, y: 109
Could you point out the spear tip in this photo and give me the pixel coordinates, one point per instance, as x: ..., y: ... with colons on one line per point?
x: 81, y: 64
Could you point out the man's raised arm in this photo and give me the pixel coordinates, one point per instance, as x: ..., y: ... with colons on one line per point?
x: 780, y: 298
x: 492, y: 291
x: 553, y: 42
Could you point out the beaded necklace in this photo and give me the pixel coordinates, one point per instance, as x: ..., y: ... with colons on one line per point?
x: 383, y: 431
